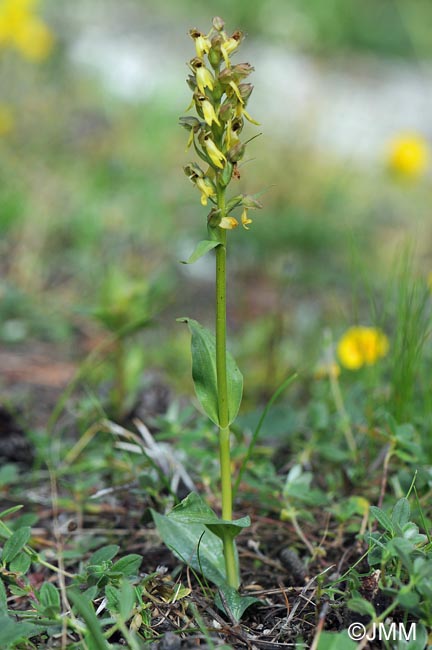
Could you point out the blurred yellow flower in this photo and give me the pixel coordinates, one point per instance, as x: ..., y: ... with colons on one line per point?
x: 329, y: 369
x: 408, y: 155
x: 6, y: 120
x: 361, y: 346
x: 22, y: 29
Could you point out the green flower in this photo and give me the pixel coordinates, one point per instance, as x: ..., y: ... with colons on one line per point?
x: 231, y: 44
x: 216, y: 156
x: 203, y: 77
x: 219, y: 95
x: 202, y: 43
x: 207, y: 110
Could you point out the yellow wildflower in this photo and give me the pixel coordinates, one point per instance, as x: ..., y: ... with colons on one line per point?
x: 228, y: 223
x: 6, y: 120
x: 216, y: 156
x: 325, y: 370
x: 34, y: 40
x: 361, y: 346
x: 408, y: 155
x: 22, y: 29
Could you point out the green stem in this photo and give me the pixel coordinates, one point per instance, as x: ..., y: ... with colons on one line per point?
x: 225, y: 463
x: 221, y: 368
x: 222, y: 383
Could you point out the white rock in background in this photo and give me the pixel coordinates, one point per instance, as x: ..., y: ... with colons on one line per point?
x: 350, y: 108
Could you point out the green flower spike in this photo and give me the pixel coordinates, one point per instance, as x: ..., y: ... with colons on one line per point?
x: 219, y: 96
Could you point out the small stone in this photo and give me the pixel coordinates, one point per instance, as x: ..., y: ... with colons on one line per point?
x: 292, y: 563
x: 170, y: 641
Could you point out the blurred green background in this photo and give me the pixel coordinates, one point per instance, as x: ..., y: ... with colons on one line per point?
x: 95, y: 211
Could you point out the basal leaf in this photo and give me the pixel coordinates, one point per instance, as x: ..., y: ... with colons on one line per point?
x: 201, y: 249
x: 191, y: 510
x: 194, y: 510
x: 194, y: 533
x: 203, y: 346
x: 193, y: 544
x: 229, y: 528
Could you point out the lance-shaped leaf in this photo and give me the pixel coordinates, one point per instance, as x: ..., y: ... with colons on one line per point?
x: 203, y: 346
x: 201, y: 249
x: 194, y: 545
x: 194, y: 510
x: 194, y: 533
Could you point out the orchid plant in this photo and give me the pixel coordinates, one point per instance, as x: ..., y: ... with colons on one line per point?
x: 220, y: 94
